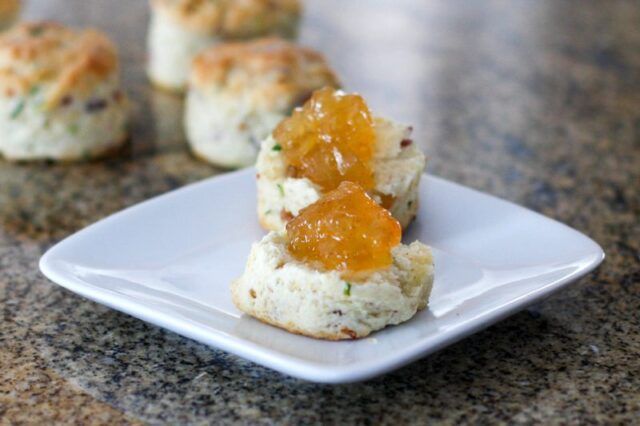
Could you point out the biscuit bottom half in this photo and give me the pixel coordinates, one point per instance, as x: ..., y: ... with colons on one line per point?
x: 278, y: 290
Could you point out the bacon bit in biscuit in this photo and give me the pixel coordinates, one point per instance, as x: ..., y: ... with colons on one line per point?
x: 66, y: 101
x: 386, y: 200
x: 348, y: 331
x: 252, y: 293
x: 285, y: 215
x: 117, y: 96
x: 405, y: 143
x: 292, y: 172
x: 95, y: 105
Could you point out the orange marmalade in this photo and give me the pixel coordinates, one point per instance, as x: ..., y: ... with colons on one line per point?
x: 329, y: 140
x: 345, y: 231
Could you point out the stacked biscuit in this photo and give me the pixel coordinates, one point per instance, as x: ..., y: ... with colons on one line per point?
x: 304, y: 295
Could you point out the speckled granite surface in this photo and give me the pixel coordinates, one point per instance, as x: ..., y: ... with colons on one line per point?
x: 536, y: 102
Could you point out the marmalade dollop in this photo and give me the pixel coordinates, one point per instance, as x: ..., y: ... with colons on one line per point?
x: 329, y: 140
x: 345, y: 230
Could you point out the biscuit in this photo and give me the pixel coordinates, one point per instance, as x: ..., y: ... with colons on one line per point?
x: 60, y: 95
x: 180, y: 29
x: 278, y: 290
x: 238, y: 92
x: 397, y: 165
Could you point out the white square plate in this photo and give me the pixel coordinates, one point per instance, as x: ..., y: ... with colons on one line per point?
x: 170, y: 260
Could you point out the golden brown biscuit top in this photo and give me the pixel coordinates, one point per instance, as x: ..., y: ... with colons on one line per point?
x: 270, y: 67
x: 232, y: 18
x: 51, y: 55
x: 9, y: 7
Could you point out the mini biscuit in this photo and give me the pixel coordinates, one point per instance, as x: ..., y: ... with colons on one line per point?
x: 9, y: 10
x: 60, y: 96
x: 278, y: 290
x: 238, y: 92
x: 180, y: 29
x: 397, y: 165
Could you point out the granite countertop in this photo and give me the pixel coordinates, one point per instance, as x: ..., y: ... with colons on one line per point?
x: 536, y: 102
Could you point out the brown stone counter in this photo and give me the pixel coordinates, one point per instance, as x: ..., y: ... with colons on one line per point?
x: 537, y: 102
